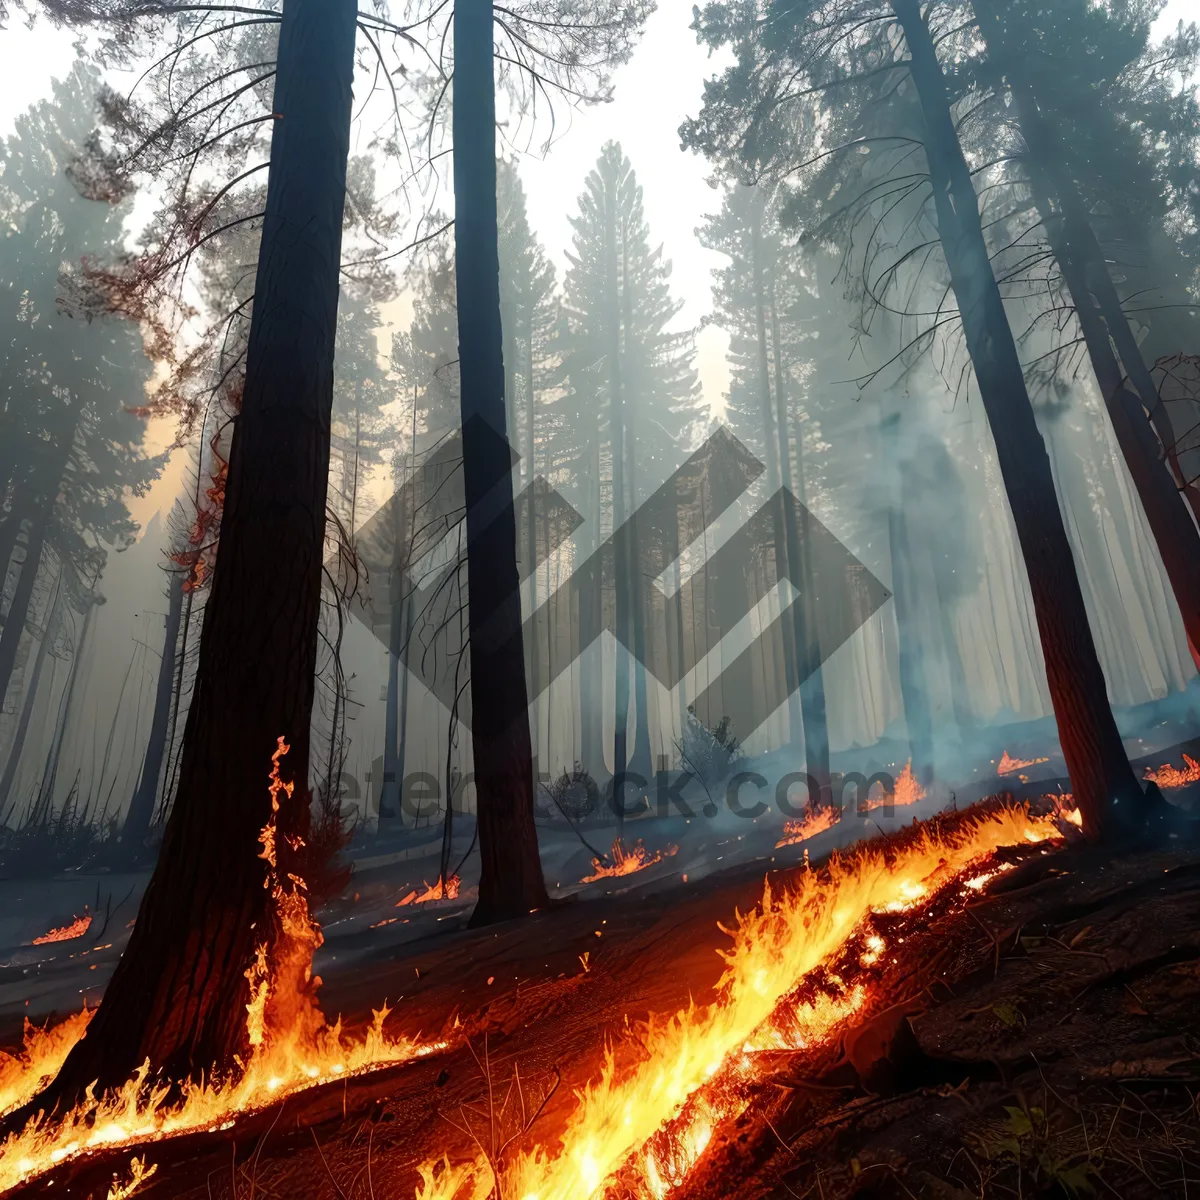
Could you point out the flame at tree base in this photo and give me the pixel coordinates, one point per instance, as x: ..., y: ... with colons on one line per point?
x: 694, y: 1065
x: 291, y: 1047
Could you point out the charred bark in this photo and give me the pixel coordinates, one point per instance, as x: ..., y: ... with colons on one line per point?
x: 1101, y: 776
x: 178, y: 996
x: 511, y: 882
x: 141, y: 807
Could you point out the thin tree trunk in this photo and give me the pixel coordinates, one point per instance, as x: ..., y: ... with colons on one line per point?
x: 178, y: 996
x: 535, y: 680
x: 621, y: 565
x: 141, y: 807
x: 511, y: 881
x: 18, y: 610
x: 389, y: 791
x: 45, y: 488
x: 774, y: 449
x: 913, y: 690
x: 54, y: 754
x: 804, y: 628
x: 31, y: 689
x: 10, y: 530
x: 640, y: 763
x: 1101, y: 776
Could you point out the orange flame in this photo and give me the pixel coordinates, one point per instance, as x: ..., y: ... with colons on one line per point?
x: 291, y: 1048
x: 907, y: 790
x: 1009, y: 766
x: 43, y: 1052
x: 626, y: 862
x: 1172, y: 777
x: 433, y: 891
x: 76, y: 929
x: 1065, y: 808
x: 815, y: 820
x: 681, y: 1086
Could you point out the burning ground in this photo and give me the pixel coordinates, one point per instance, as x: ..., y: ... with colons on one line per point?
x: 608, y: 1050
x: 953, y: 1014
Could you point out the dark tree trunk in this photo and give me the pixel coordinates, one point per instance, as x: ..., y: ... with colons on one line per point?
x: 31, y: 689
x: 141, y: 807
x: 510, y: 882
x: 1100, y: 315
x: 1101, y: 776
x: 178, y: 996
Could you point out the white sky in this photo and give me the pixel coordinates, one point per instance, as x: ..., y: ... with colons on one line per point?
x: 654, y: 92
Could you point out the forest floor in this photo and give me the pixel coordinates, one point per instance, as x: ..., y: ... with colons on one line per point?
x: 1043, y: 1040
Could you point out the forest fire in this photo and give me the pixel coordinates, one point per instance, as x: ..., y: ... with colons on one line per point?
x: 292, y: 1047
x: 76, y: 929
x: 1169, y: 776
x: 1009, y: 765
x: 432, y: 891
x: 696, y: 1065
x: 626, y: 862
x: 814, y: 821
x: 907, y: 790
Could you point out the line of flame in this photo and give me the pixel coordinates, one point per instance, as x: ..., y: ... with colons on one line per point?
x: 784, y: 938
x: 627, y: 862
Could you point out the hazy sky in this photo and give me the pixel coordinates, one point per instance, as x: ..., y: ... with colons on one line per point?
x: 654, y: 92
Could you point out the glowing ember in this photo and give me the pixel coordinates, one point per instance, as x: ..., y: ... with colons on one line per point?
x: 814, y: 821
x: 907, y: 790
x: 433, y: 891
x: 291, y: 1048
x: 682, y: 1086
x: 1009, y: 766
x: 76, y: 929
x: 1172, y: 777
x: 626, y: 862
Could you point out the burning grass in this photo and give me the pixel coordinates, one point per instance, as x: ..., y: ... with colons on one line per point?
x: 291, y: 1048
x: 626, y: 862
x: 66, y: 933
x: 1010, y: 766
x: 1168, y: 776
x: 430, y: 892
x: 906, y: 791
x: 694, y: 1068
x: 814, y: 821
